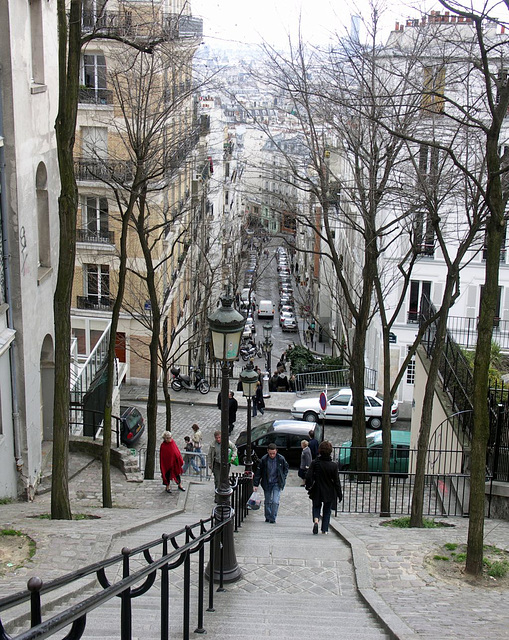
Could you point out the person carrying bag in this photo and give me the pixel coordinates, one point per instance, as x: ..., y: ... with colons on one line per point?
x: 324, y: 488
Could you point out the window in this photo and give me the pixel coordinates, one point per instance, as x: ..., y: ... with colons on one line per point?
x: 427, y: 181
x: 433, y: 89
x: 418, y: 289
x: 43, y: 228
x: 37, y: 41
x: 98, y: 284
x: 95, y: 217
x: 410, y: 371
x: 343, y: 400
x: 93, y: 79
x: 95, y: 142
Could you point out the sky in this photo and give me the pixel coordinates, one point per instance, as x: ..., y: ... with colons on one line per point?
x: 272, y: 20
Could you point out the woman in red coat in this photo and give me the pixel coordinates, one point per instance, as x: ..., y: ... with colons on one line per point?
x: 171, y: 462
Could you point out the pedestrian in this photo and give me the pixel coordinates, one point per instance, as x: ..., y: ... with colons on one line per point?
x: 197, y: 439
x: 271, y: 474
x: 305, y: 461
x: 293, y: 383
x: 189, y: 459
x: 258, y: 401
x: 233, y: 405
x: 273, y: 381
x: 171, y: 462
x: 322, y: 483
x: 214, y: 457
x: 313, y: 444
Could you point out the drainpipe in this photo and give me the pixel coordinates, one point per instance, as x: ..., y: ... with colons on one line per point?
x: 7, y: 274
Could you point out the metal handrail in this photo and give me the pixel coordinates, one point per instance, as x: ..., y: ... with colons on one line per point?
x: 135, y: 584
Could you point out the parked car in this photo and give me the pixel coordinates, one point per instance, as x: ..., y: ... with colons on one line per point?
x: 285, y: 314
x: 339, y: 407
x: 289, y: 324
x: 400, y: 452
x: 285, y: 434
x: 132, y: 425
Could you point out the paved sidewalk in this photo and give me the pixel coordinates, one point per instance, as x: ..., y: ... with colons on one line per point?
x: 389, y: 564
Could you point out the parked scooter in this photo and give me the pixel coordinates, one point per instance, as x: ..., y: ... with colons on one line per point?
x: 249, y: 352
x: 179, y: 382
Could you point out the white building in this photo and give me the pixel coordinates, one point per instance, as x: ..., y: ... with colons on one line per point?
x: 29, y: 215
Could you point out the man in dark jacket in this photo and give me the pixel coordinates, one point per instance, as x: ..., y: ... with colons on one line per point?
x: 233, y: 405
x: 271, y: 474
x: 313, y: 444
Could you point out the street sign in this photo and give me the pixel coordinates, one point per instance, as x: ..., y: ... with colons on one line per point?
x: 323, y: 401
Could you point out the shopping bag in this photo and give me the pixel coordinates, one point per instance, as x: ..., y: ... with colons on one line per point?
x: 231, y: 460
x: 254, y: 501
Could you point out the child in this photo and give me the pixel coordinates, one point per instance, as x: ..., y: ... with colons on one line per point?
x: 189, y: 459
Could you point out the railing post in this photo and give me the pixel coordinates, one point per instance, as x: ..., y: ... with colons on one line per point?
x: 187, y: 590
x: 125, y: 597
x: 165, y: 593
x: 34, y: 586
x: 201, y: 582
x: 212, y: 545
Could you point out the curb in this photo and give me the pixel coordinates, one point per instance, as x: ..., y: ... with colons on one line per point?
x: 392, y: 623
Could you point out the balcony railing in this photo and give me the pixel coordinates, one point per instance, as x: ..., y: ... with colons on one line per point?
x: 129, y: 24
x: 97, y: 237
x: 97, y: 303
x: 176, y: 26
x: 464, y: 331
x: 94, y: 169
x: 93, y: 95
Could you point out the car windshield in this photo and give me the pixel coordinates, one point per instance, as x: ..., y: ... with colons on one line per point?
x: 261, y: 430
x: 133, y: 418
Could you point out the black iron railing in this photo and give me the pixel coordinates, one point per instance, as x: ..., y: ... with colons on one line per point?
x: 98, y: 303
x: 89, y: 422
x: 97, y: 237
x: 166, y: 554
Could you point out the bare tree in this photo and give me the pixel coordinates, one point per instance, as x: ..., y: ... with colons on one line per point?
x: 71, y: 39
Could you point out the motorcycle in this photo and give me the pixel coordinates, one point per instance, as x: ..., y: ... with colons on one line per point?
x: 179, y: 382
x: 249, y: 352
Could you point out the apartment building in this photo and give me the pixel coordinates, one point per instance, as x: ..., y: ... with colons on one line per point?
x: 29, y: 187
x: 138, y: 124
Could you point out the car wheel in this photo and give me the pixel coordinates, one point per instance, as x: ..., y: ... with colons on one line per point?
x: 310, y: 416
x: 375, y: 423
x: 175, y: 385
x: 204, y: 387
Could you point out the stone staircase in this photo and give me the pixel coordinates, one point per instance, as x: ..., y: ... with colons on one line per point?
x: 293, y: 583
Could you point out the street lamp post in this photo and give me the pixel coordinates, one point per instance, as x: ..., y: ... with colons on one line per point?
x: 226, y: 326
x: 249, y: 379
x: 267, y: 334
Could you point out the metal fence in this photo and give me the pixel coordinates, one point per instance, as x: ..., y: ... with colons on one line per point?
x: 446, y: 482
x: 332, y: 379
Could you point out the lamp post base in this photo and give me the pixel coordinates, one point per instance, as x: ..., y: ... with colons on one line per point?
x: 231, y: 569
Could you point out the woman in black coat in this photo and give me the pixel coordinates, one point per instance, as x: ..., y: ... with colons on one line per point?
x: 322, y: 482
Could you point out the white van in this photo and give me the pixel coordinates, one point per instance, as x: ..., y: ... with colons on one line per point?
x: 266, y: 309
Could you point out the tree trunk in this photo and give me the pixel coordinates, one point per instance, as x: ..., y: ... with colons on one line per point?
x: 495, y: 234
x: 416, y: 515
x: 69, y: 49
x: 122, y: 272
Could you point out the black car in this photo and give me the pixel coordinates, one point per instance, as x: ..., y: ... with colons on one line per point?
x: 132, y: 425
x: 285, y: 434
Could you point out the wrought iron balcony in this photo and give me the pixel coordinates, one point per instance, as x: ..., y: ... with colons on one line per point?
x: 97, y: 303
x: 93, y: 95
x: 97, y: 237
x: 95, y: 169
x: 177, y: 26
x: 127, y: 23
